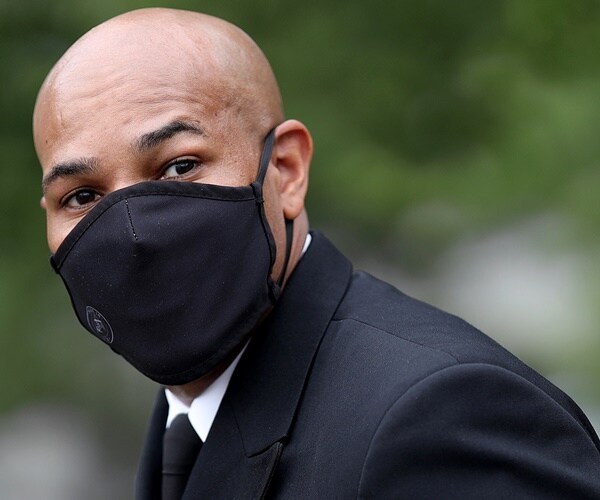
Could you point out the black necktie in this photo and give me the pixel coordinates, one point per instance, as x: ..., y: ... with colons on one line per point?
x: 181, y: 445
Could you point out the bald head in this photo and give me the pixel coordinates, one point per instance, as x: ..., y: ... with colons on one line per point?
x: 153, y: 54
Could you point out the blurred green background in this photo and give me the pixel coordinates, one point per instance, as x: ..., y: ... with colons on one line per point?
x: 456, y: 156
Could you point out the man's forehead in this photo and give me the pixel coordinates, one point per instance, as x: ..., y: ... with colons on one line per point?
x: 145, y: 71
x: 122, y: 132
x: 129, y: 98
x: 151, y: 47
x: 101, y: 119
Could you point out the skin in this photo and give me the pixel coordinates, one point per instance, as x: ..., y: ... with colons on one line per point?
x: 174, y: 95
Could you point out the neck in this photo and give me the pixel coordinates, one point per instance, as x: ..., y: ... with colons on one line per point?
x: 300, y: 232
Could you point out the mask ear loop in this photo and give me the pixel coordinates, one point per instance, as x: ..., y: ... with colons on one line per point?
x: 289, y: 224
x: 265, y: 157
x: 257, y: 187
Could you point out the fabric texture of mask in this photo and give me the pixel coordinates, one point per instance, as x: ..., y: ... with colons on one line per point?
x: 174, y: 276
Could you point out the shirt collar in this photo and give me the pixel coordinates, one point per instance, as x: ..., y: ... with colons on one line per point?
x: 204, y: 407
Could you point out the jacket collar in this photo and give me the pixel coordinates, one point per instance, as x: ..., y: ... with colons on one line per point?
x: 269, y: 382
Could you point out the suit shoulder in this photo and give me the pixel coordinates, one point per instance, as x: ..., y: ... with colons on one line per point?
x: 486, y: 418
x: 377, y: 304
x: 418, y: 339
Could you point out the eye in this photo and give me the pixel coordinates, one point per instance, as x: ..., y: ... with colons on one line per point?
x: 180, y: 168
x: 81, y: 198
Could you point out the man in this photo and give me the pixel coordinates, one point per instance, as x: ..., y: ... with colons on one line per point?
x: 301, y: 378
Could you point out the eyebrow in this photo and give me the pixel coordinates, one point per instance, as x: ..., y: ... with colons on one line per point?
x: 143, y: 143
x: 154, y: 138
x: 68, y: 169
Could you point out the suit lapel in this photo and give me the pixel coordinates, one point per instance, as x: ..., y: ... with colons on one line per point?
x: 224, y: 470
x: 270, y: 379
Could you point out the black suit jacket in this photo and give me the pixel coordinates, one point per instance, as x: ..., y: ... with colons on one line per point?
x: 353, y: 390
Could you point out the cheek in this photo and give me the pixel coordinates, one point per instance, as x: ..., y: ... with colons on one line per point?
x: 56, y: 232
x: 273, y: 208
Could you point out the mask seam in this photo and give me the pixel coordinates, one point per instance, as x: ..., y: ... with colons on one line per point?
x: 130, y: 219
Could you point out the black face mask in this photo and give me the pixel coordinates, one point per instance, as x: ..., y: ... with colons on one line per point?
x: 174, y: 276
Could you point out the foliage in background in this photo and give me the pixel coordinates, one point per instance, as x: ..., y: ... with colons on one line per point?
x: 433, y: 121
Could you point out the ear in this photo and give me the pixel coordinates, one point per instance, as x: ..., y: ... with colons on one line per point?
x: 291, y: 156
